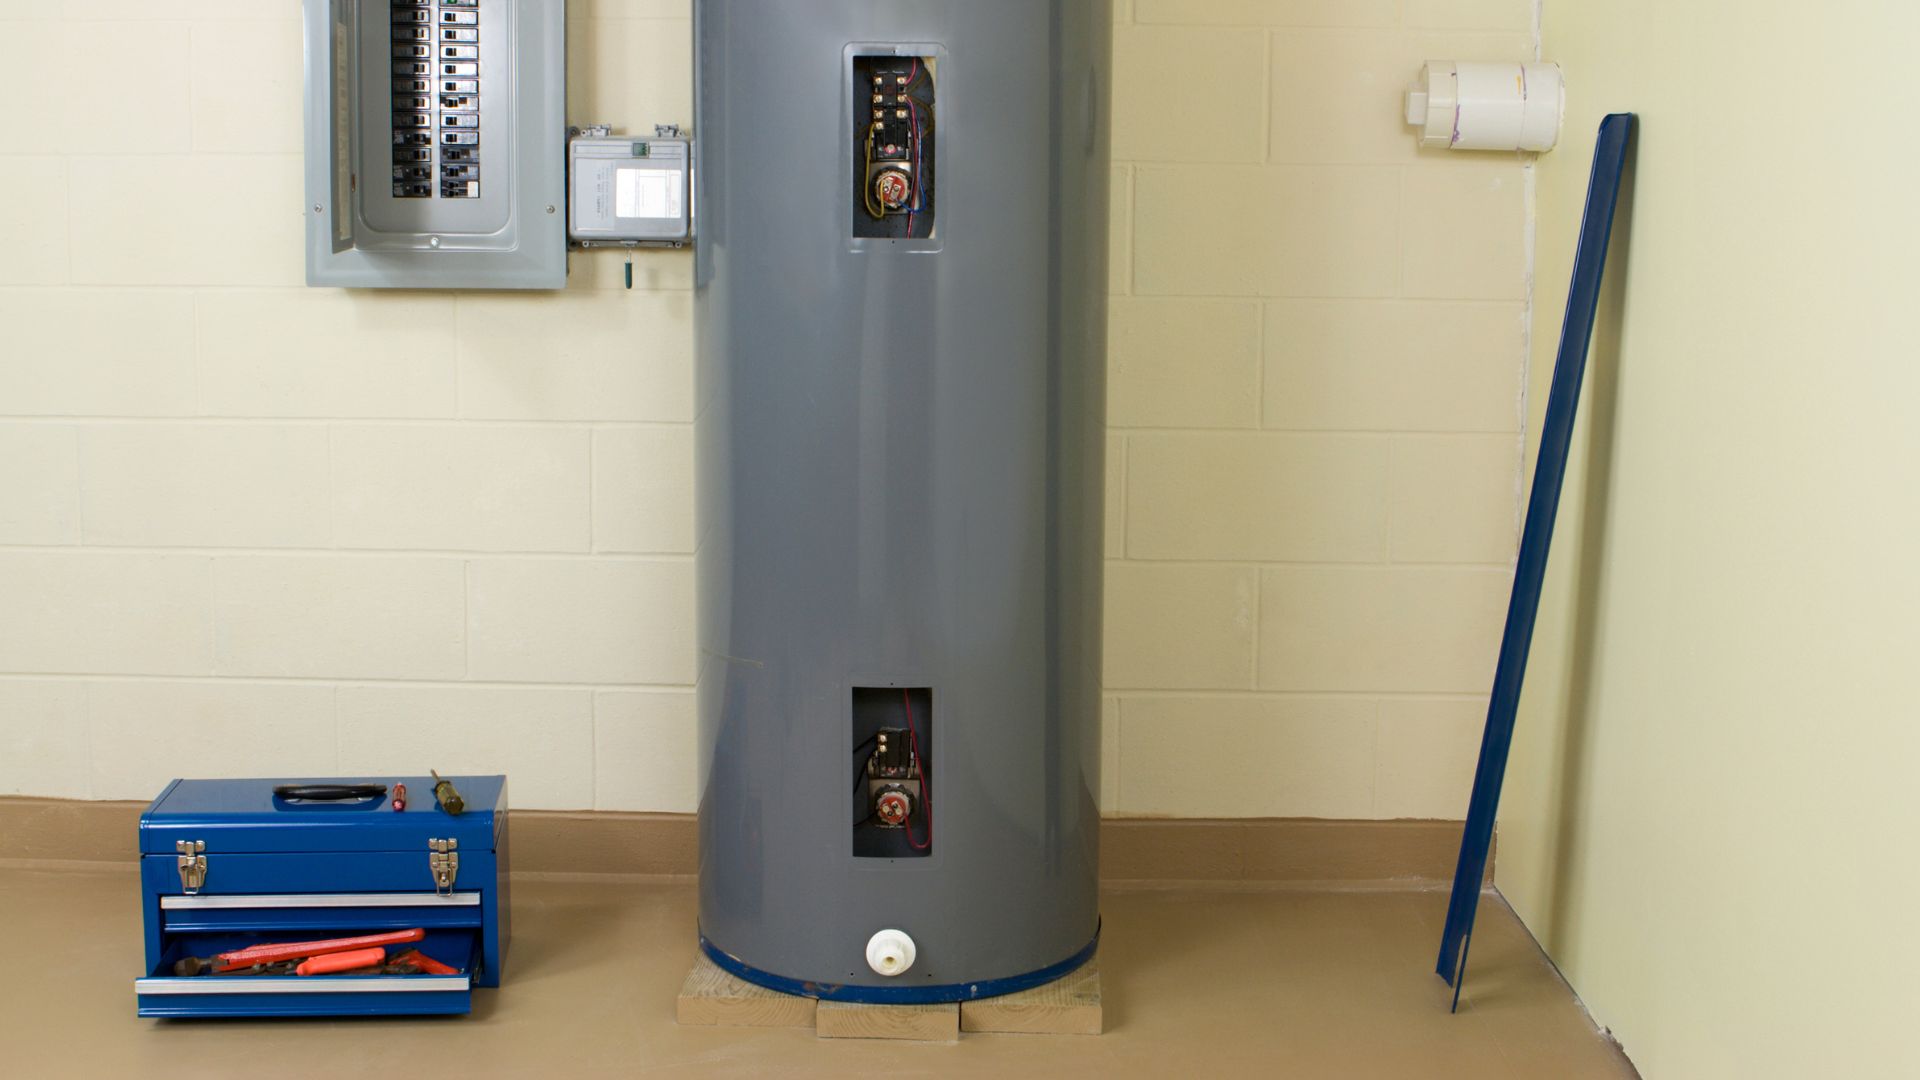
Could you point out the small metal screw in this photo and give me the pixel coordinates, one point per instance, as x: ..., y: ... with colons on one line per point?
x: 549, y: 209
x: 316, y: 208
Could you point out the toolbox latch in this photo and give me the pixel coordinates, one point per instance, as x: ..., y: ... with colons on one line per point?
x: 443, y: 859
x: 193, y: 864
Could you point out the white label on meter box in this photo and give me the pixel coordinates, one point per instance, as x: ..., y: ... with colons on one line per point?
x: 647, y: 193
x: 628, y: 190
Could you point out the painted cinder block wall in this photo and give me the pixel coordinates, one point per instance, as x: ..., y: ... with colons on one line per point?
x: 248, y: 527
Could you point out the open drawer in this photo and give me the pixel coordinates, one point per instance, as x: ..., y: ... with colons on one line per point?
x: 162, y: 993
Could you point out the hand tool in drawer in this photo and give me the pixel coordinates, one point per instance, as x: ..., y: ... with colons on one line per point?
x: 411, y: 962
x: 372, y: 961
x: 255, y: 956
x: 361, y: 962
x: 415, y: 962
x: 342, y: 962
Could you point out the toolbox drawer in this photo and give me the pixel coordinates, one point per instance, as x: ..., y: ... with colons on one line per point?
x: 328, y: 915
x: 161, y: 993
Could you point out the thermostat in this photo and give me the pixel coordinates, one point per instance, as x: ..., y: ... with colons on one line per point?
x: 629, y: 191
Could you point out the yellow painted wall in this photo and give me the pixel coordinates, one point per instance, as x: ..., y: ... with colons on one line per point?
x: 249, y: 527
x: 1710, y: 819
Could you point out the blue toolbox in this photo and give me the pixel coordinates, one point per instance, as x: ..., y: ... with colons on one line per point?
x: 238, y: 875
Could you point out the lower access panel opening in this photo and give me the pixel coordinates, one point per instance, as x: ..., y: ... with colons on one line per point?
x: 892, y: 774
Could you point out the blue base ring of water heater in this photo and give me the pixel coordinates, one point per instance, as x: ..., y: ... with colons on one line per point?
x: 900, y: 995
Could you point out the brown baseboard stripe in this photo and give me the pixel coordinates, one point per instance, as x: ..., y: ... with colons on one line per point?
x: 1289, y: 851
x: 60, y: 830
x: 551, y: 842
x: 1268, y: 851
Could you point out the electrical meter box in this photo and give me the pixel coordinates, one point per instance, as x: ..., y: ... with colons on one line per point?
x: 629, y: 191
x: 435, y: 143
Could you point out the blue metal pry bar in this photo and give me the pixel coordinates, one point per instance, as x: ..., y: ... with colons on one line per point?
x: 1556, y: 438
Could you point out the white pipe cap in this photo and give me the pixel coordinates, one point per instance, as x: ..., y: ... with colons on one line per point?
x: 890, y: 952
x: 1501, y: 106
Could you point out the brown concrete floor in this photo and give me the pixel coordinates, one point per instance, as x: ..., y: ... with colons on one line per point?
x: 1196, y: 983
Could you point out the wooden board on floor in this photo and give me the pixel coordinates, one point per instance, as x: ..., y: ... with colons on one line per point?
x: 711, y: 997
x: 1068, y: 1006
x: 920, y: 1023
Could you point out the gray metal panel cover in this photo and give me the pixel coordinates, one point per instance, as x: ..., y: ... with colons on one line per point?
x: 901, y: 484
x: 513, y: 238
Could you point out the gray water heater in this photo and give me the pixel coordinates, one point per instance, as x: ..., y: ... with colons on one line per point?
x: 900, y: 290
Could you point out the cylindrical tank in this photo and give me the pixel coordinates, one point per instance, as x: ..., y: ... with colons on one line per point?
x: 901, y: 215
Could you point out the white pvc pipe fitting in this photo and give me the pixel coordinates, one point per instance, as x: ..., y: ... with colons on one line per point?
x: 1471, y: 106
x: 890, y: 952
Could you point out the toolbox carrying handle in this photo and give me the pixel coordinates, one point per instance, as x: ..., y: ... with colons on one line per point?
x: 328, y: 796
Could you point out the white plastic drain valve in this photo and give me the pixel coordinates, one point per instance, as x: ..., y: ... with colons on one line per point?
x: 890, y: 952
x: 1465, y: 106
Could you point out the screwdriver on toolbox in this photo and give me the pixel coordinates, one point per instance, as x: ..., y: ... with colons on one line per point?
x: 449, y: 796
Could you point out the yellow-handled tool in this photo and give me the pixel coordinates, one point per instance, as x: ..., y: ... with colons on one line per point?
x: 449, y: 796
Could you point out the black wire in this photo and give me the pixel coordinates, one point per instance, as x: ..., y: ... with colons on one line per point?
x: 860, y: 774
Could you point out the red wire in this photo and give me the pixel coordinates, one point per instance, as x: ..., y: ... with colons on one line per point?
x: 926, y: 784
x: 914, y: 112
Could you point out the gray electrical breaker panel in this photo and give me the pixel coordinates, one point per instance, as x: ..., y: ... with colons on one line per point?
x: 435, y: 138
